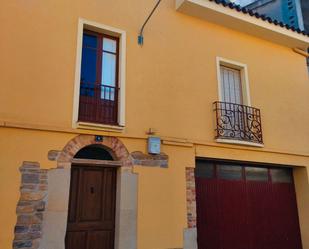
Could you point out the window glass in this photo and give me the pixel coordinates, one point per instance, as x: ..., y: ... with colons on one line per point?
x: 204, y: 169
x: 109, y: 45
x: 107, y: 93
x: 256, y: 174
x: 281, y: 175
x: 88, y: 65
x: 108, y: 76
x: 90, y: 41
x: 229, y: 172
x: 109, y: 69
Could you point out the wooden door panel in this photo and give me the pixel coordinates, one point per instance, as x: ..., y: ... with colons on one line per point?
x: 90, y: 202
x: 76, y: 240
x: 100, y: 240
x: 73, y: 195
x: 109, y: 195
x: 91, y: 219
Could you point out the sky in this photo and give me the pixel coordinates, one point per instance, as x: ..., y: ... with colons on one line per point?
x: 243, y: 2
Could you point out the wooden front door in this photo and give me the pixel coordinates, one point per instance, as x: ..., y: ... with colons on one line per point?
x: 91, y: 218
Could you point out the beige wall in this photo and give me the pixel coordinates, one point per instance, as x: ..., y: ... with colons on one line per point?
x: 302, y: 194
x: 161, y: 192
x: 174, y: 71
x: 17, y: 146
x: 171, y: 83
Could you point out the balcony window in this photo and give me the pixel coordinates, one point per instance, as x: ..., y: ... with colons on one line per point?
x: 98, y: 100
x: 236, y: 121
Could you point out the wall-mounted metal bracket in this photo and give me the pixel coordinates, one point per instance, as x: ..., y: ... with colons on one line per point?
x: 140, y: 39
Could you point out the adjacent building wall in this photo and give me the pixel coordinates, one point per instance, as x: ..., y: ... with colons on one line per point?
x: 287, y: 11
x: 305, y: 12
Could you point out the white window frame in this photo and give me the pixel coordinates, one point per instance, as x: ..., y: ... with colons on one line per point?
x: 243, y: 77
x: 121, y: 34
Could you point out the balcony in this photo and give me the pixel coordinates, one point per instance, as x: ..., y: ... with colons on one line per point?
x: 238, y: 124
x: 98, y: 104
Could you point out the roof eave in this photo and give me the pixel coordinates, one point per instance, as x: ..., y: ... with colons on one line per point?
x: 215, y: 13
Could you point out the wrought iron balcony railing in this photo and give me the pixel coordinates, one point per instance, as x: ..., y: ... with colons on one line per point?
x: 238, y: 122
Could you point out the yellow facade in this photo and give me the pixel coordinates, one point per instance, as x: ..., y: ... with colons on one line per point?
x: 171, y: 83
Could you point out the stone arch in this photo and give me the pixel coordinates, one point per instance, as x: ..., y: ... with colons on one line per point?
x: 112, y: 144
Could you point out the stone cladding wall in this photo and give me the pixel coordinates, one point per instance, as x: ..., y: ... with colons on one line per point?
x: 31, y: 206
x: 191, y: 198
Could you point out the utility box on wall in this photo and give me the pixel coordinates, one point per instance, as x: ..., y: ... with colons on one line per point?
x: 154, y: 145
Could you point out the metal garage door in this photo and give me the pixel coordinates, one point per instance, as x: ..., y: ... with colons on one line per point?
x: 245, y: 207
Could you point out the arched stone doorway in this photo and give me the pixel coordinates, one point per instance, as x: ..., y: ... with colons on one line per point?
x: 56, y: 215
x: 92, y: 200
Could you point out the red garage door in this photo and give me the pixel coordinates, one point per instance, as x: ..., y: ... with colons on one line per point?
x: 245, y: 207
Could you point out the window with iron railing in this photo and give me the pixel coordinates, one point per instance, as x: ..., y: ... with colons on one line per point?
x: 235, y: 121
x: 98, y: 100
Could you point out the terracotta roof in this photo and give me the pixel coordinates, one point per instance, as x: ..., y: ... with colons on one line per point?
x: 255, y: 14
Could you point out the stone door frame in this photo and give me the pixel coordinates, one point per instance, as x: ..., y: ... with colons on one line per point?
x: 55, y: 216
